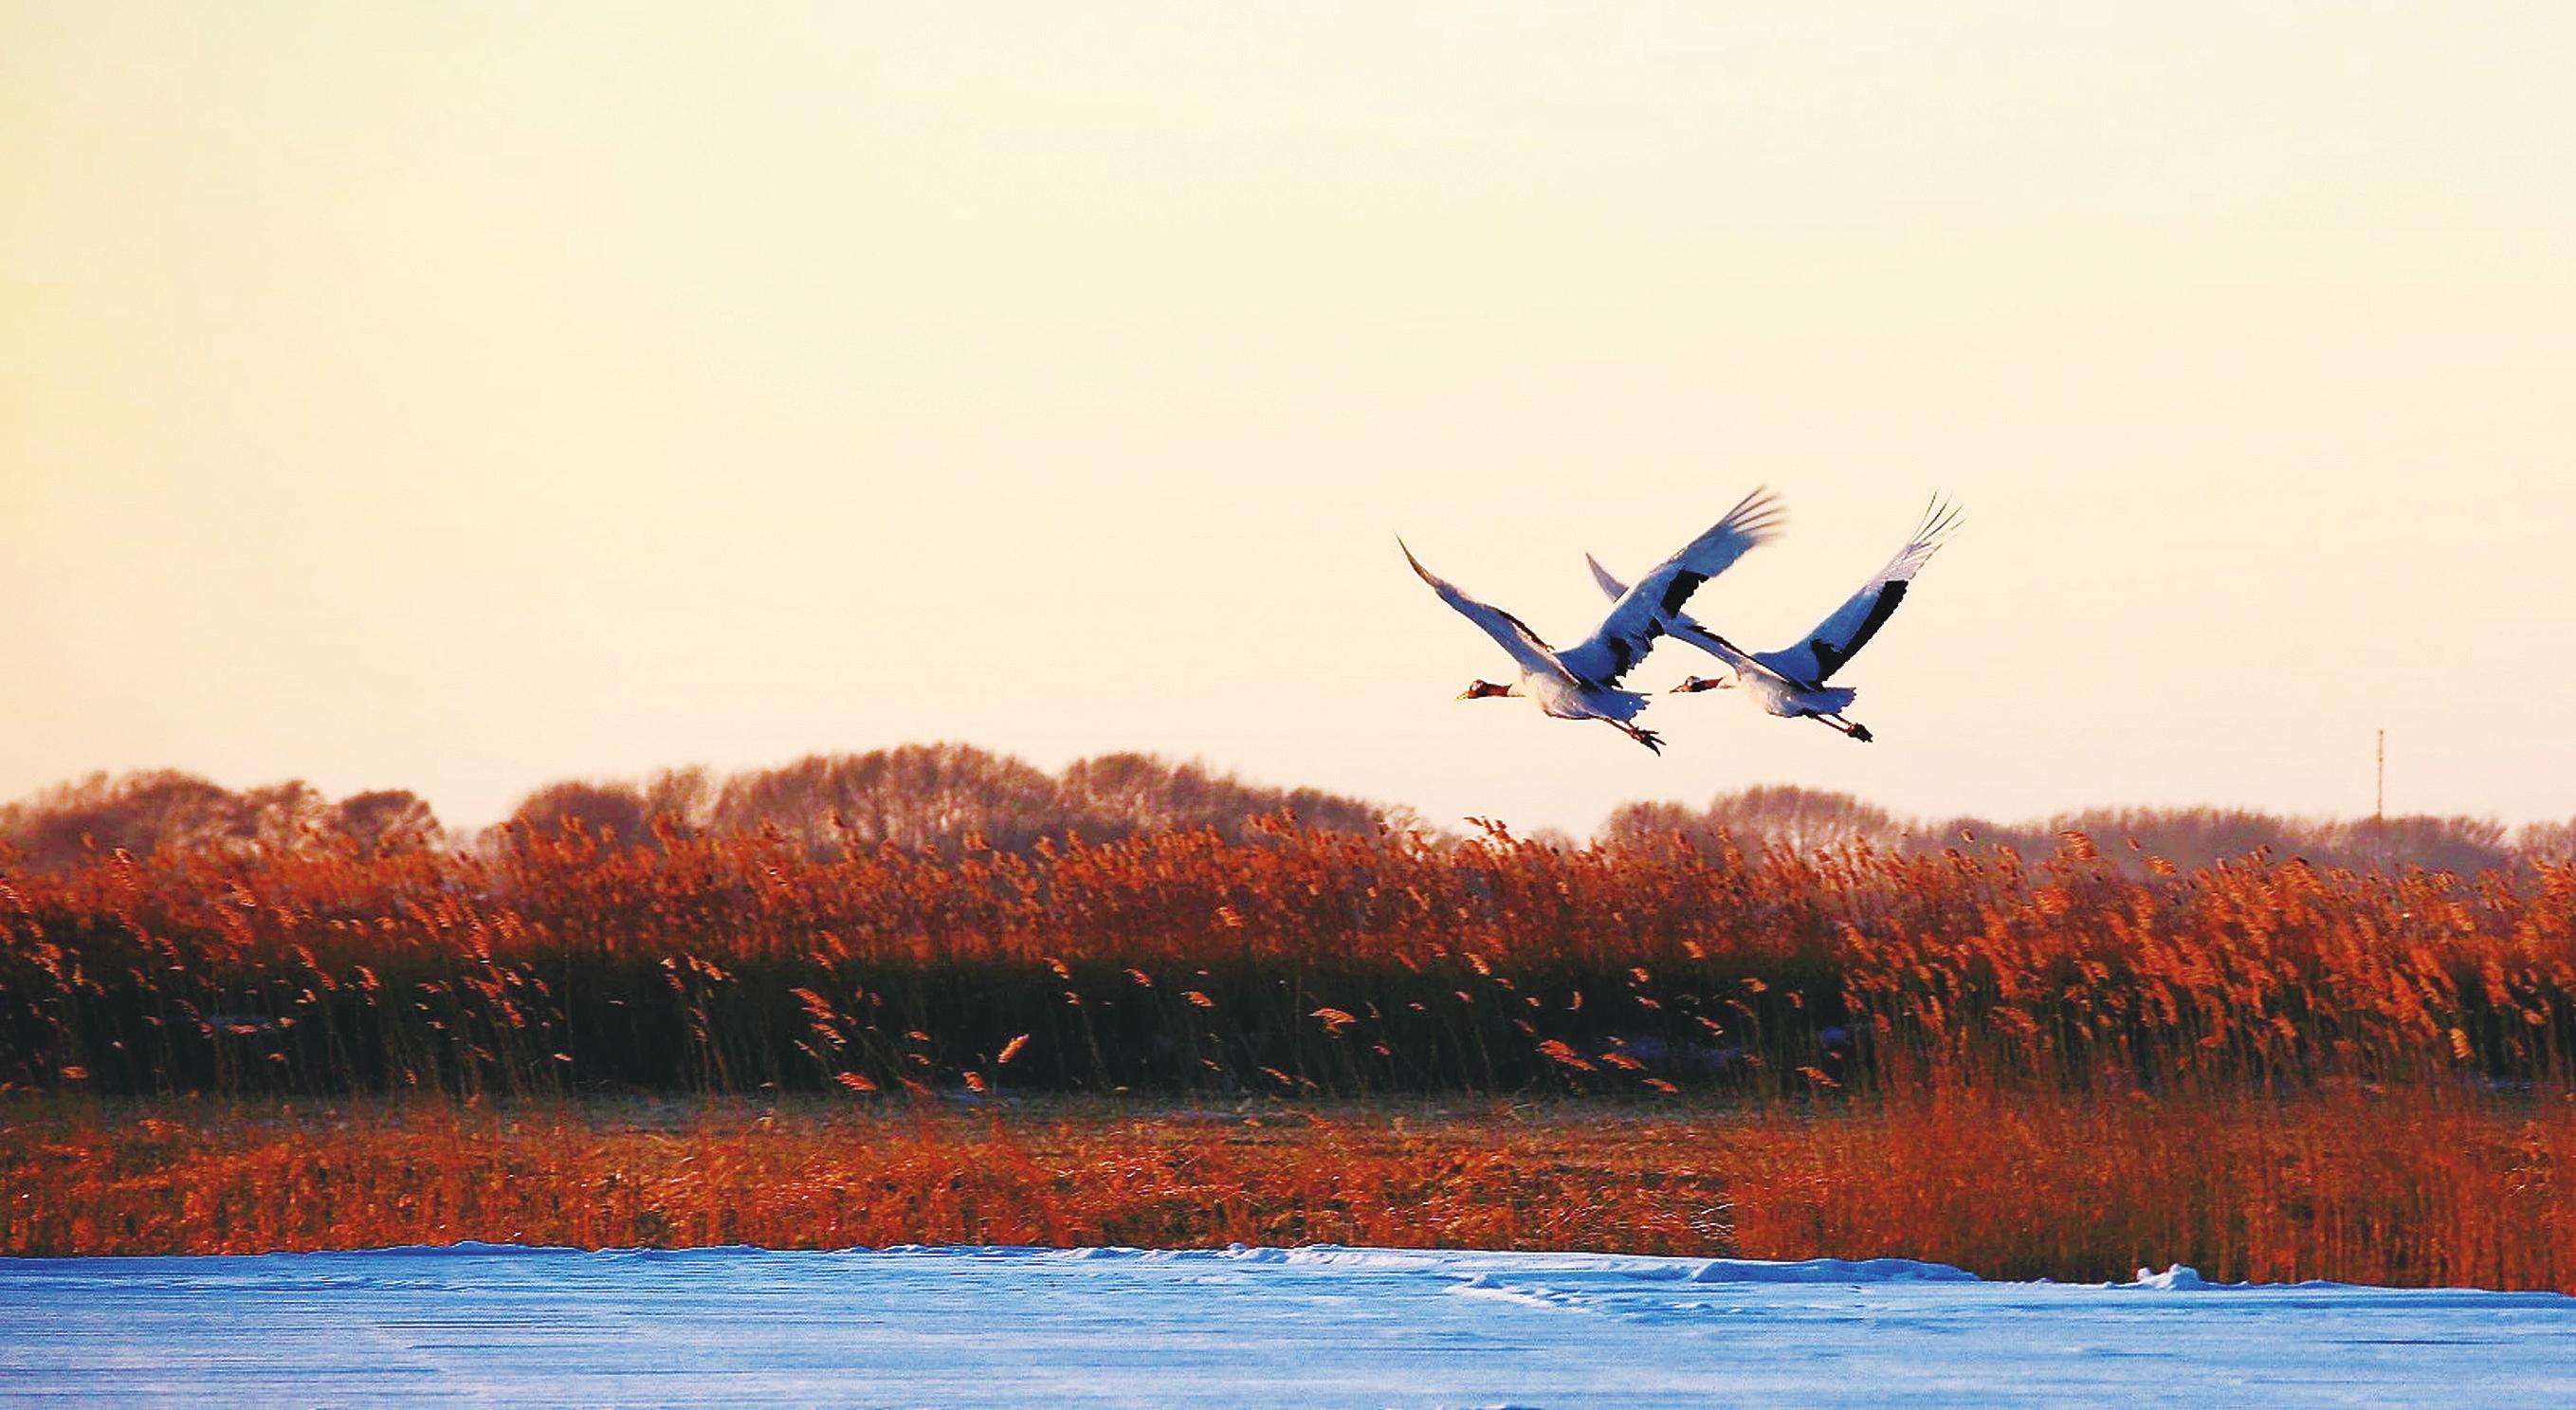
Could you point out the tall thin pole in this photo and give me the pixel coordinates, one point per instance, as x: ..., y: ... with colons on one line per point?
x: 2379, y: 792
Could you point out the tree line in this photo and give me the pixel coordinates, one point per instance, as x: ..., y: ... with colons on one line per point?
x: 936, y: 796
x: 949, y: 796
x: 1806, y: 819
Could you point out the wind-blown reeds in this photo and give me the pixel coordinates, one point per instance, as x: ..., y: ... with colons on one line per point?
x: 1287, y: 961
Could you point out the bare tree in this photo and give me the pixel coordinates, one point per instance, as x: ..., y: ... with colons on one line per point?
x: 1775, y: 815
x: 2548, y: 841
x: 385, y: 820
x: 604, y: 810
x: 138, y: 813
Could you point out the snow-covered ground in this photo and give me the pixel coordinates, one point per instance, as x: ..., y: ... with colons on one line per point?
x: 1312, y: 1326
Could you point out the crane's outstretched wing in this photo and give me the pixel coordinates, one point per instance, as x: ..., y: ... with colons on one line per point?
x: 1509, y: 632
x: 1642, y: 613
x: 1840, y: 637
x: 1681, y: 626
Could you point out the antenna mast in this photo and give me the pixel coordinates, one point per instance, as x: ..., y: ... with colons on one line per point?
x: 2379, y: 792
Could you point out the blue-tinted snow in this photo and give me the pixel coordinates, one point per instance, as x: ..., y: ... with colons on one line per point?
x: 1310, y: 1326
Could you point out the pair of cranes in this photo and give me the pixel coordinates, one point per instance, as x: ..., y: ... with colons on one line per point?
x: 1581, y: 682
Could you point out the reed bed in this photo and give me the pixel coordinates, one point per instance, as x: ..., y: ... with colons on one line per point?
x: 2027, y: 1066
x: 1283, y: 962
x: 2421, y: 1186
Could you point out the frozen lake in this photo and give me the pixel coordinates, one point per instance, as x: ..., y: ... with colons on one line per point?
x: 1314, y: 1326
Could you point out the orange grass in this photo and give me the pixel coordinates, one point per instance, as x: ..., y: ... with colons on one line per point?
x: 1291, y: 961
x: 2411, y: 1187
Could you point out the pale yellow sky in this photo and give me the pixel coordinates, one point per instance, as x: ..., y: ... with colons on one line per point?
x: 460, y: 397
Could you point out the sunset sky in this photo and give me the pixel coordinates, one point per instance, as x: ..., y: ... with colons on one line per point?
x: 457, y: 398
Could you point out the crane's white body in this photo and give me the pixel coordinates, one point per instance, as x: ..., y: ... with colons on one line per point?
x: 1762, y: 682
x: 1569, y: 699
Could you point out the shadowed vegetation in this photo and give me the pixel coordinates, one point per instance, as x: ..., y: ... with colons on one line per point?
x: 1286, y: 960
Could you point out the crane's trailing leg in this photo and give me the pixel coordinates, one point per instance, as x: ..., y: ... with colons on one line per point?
x: 1646, y: 737
x: 1856, y: 731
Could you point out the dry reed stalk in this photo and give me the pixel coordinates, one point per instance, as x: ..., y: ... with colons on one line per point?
x: 2409, y: 1186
